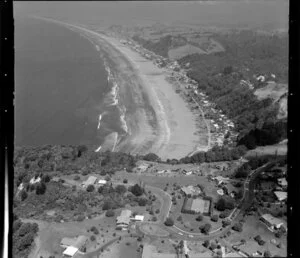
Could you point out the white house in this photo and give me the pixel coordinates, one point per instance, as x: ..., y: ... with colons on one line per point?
x: 102, y: 182
x: 34, y: 180
x: 138, y: 218
x: 281, y: 196
x: 220, y: 192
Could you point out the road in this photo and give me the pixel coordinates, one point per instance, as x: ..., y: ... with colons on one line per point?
x: 246, y: 202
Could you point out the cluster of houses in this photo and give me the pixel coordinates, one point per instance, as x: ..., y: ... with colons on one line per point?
x: 222, y: 128
x: 258, y: 79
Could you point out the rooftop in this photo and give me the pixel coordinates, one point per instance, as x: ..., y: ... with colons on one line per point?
x: 272, y: 220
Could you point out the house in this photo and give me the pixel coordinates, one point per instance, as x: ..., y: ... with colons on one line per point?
x: 72, y: 245
x: 261, y: 78
x: 20, y: 187
x: 271, y: 222
x: 189, y: 173
x: 138, y: 218
x: 124, y: 219
x: 90, y: 181
x: 102, y: 182
x: 281, y: 196
x: 35, y: 180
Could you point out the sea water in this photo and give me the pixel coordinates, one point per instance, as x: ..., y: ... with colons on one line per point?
x: 65, y: 93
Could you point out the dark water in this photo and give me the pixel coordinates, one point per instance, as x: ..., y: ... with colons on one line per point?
x: 61, y: 87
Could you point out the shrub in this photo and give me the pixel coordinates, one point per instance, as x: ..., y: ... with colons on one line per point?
x: 24, y: 229
x: 107, y: 205
x: 154, y: 218
x: 80, y: 217
x: 23, y: 195
x: 85, y: 172
x: 267, y: 254
x: 40, y: 188
x: 214, y: 218
x: 206, y: 243
x: 90, y: 188
x: 221, y: 204
x: 93, y: 238
x: 121, y: 189
x: 77, y: 177
x: 46, y: 178
x: 157, y: 211
x: 224, y: 214
x: 125, y: 181
x: 238, y: 227
x: 169, y: 222
x: 110, y: 213
x: 179, y: 218
x: 142, y: 201
x: 199, y: 218
x: 205, y: 229
x: 213, y: 246
x: 225, y: 223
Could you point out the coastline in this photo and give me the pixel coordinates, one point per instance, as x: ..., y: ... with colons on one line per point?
x: 162, y: 123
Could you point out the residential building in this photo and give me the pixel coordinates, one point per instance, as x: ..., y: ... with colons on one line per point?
x: 90, y: 181
x: 272, y: 222
x: 102, y: 182
x: 73, y: 245
x: 124, y: 219
x: 281, y: 196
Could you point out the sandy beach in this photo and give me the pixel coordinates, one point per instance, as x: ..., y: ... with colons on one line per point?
x: 162, y: 123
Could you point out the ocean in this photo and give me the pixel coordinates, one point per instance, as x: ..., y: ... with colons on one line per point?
x: 64, y: 91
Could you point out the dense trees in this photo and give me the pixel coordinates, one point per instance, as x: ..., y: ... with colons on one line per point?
x: 169, y: 222
x: 216, y: 154
x: 205, y: 228
x: 151, y: 157
x: 222, y: 205
x: 137, y: 190
x: 110, y: 213
x: 23, y: 237
x: 90, y: 188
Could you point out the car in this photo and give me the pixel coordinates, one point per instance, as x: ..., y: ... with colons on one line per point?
x: 191, y: 236
x: 180, y: 233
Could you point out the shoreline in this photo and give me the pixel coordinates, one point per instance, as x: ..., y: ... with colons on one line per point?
x: 175, y: 135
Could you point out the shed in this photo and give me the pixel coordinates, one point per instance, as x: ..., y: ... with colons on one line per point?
x: 70, y: 251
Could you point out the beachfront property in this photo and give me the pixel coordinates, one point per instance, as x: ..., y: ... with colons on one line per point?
x: 282, y: 182
x: 124, y: 219
x: 90, y: 181
x: 281, y: 196
x: 271, y: 222
x: 73, y: 245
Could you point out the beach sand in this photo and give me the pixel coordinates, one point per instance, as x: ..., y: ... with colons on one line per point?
x: 162, y: 122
